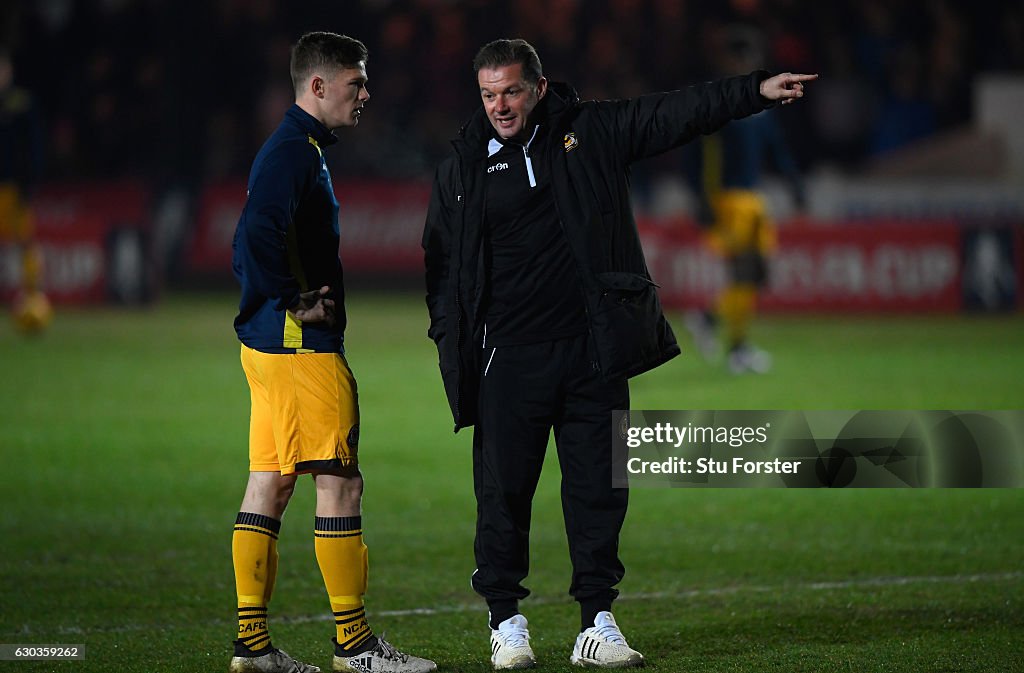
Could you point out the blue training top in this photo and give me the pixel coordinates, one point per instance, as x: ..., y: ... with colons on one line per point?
x: 287, y: 241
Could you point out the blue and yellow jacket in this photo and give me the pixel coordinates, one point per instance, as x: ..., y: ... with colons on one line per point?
x: 287, y: 241
x: 734, y: 158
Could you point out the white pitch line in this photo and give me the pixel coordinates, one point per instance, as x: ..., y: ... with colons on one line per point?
x: 866, y: 582
x: 863, y: 583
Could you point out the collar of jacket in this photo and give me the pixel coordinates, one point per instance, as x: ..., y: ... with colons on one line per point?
x: 474, y: 134
x: 311, y: 126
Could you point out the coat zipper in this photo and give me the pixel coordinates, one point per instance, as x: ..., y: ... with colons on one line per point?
x: 529, y: 161
x: 579, y: 275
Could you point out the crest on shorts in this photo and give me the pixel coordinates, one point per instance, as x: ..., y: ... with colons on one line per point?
x: 570, y: 142
x: 353, y: 437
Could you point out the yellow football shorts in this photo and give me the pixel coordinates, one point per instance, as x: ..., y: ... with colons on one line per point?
x: 305, y: 412
x: 15, y: 216
x: 741, y: 223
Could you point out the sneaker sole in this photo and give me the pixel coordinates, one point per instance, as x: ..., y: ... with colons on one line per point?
x: 516, y: 666
x: 632, y: 662
x: 519, y: 664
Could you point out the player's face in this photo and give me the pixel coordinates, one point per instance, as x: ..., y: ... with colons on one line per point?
x: 509, y: 99
x: 344, y: 96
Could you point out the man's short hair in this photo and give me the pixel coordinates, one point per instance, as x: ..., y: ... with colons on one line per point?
x: 319, y: 50
x: 509, y: 52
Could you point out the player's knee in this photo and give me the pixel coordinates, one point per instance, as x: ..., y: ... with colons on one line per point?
x: 341, y: 493
x: 268, y: 493
x: 352, y: 490
x: 282, y: 493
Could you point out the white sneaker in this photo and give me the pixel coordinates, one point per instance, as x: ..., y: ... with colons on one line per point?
x: 604, y: 645
x: 275, y: 661
x: 510, y: 645
x: 383, y: 658
x: 743, y: 359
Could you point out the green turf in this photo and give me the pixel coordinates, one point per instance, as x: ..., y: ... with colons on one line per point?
x: 123, y: 443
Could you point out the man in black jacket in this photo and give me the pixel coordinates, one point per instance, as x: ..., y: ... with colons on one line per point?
x: 541, y: 307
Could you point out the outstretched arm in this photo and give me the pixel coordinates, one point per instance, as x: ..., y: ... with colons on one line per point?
x: 785, y: 87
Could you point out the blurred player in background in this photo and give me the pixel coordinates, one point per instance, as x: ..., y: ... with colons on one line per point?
x: 725, y: 171
x: 305, y: 414
x: 21, y: 145
x: 541, y: 307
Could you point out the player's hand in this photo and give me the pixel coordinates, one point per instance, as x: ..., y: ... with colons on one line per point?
x: 314, y: 306
x: 785, y: 87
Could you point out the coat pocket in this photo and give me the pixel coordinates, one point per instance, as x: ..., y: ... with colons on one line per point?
x: 630, y: 331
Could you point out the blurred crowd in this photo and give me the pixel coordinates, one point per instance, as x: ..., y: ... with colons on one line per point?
x: 184, y: 92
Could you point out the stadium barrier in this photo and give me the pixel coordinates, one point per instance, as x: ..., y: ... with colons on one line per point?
x: 876, y: 265
x: 96, y: 242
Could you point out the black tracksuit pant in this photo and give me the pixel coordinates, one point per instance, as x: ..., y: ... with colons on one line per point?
x: 525, y: 392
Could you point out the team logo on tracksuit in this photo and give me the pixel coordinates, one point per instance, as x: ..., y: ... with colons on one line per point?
x: 570, y: 142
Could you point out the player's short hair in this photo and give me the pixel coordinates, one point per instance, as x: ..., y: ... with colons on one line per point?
x: 319, y: 50
x: 509, y: 52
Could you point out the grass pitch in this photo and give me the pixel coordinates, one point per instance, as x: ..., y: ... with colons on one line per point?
x: 123, y: 442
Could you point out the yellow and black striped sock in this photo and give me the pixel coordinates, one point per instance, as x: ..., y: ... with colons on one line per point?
x: 254, y: 553
x: 736, y: 307
x: 342, y: 557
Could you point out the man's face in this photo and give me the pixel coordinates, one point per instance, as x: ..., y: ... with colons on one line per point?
x: 344, y: 96
x: 509, y: 99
